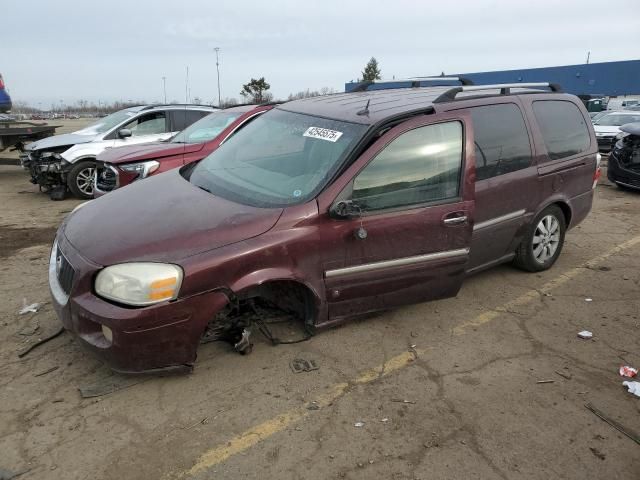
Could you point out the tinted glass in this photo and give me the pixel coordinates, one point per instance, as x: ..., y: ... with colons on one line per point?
x: 564, y: 129
x: 281, y: 158
x: 207, y: 128
x: 420, y: 166
x: 183, y: 118
x: 501, y: 140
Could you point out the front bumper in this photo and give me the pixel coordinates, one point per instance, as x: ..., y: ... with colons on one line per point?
x: 109, y: 177
x: 605, y: 143
x: 162, y: 337
x: 622, y: 176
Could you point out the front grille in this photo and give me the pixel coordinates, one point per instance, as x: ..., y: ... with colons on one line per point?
x: 106, y: 178
x: 64, y: 272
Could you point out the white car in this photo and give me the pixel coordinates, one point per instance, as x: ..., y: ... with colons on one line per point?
x: 67, y: 162
x: 608, y: 126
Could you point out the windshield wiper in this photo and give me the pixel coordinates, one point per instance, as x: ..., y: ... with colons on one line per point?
x: 205, y: 189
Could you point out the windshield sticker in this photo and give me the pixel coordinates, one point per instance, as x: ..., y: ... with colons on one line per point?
x: 322, y: 134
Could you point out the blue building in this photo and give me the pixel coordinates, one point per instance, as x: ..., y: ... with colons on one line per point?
x: 597, y: 79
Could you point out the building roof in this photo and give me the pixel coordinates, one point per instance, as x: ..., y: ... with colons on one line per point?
x: 382, y: 104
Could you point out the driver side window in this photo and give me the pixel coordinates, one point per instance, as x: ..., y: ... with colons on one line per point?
x: 420, y: 166
x: 150, y: 124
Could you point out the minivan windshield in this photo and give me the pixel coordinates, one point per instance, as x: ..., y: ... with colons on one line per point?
x: 107, y: 123
x: 615, y: 120
x: 206, y: 128
x: 281, y: 158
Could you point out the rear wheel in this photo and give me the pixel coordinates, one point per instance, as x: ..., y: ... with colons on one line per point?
x: 543, y: 242
x: 80, y: 179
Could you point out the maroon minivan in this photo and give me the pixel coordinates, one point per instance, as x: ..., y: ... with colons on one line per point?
x: 323, y: 209
x: 119, y: 167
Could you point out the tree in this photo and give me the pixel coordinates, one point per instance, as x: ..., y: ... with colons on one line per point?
x: 256, y: 91
x: 371, y: 71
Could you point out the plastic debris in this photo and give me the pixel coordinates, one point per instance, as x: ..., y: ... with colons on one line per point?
x: 633, y: 387
x: 301, y: 364
x: 588, y: 299
x: 627, y: 371
x: 358, y: 424
x: 384, y: 420
x: 586, y: 334
x: 33, y: 308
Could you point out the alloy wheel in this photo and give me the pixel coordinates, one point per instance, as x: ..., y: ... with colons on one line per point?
x: 85, y: 179
x: 546, y: 238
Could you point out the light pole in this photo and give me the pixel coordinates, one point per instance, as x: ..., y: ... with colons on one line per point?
x: 164, y: 88
x: 217, y: 49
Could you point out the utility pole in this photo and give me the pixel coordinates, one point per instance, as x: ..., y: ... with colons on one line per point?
x: 186, y: 87
x: 588, y: 56
x: 217, y: 49
x: 164, y: 88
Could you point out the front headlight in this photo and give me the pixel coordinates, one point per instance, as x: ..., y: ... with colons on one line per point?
x: 143, y: 169
x: 140, y: 283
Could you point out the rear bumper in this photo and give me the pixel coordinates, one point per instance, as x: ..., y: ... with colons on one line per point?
x: 162, y: 337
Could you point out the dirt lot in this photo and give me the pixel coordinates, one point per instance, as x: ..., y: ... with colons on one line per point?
x: 448, y: 389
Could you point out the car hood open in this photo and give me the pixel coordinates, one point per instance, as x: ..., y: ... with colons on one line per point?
x: 61, y: 140
x: 162, y: 219
x: 147, y: 151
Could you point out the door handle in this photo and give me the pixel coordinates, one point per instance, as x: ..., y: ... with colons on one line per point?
x: 455, y: 218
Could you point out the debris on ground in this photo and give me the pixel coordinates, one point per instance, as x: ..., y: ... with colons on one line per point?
x: 358, y: 424
x: 48, y: 370
x: 313, y: 406
x: 564, y: 375
x: 399, y: 400
x: 585, y: 334
x: 33, y: 308
x: 57, y: 333
x: 301, y: 364
x: 632, y: 435
x: 633, y: 387
x: 597, y: 453
x: 384, y: 420
x: 627, y: 371
x: 109, y: 385
x: 588, y: 299
x: 30, y: 329
x: 545, y: 381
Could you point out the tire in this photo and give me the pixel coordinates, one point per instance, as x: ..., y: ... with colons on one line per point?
x: 529, y: 255
x: 80, y: 179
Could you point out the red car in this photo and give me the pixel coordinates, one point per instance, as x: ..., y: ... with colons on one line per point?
x: 119, y: 167
x: 321, y: 210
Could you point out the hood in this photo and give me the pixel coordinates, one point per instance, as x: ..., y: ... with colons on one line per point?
x: 147, y: 151
x: 606, y: 129
x: 163, y: 219
x: 61, y: 140
x: 631, y: 128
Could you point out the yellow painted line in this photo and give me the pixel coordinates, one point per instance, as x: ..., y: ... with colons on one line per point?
x: 264, y: 430
x: 548, y: 287
x: 279, y: 423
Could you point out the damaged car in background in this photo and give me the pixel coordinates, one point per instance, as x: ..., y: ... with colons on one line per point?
x: 624, y: 160
x: 67, y: 163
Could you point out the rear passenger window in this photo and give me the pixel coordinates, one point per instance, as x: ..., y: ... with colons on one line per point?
x: 183, y: 118
x: 501, y: 140
x: 420, y: 166
x: 563, y: 128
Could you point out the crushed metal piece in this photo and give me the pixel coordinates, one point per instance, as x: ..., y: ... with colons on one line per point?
x: 244, y: 346
x: 303, y: 365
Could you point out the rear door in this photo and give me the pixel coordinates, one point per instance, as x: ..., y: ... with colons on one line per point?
x: 411, y: 243
x: 506, y: 181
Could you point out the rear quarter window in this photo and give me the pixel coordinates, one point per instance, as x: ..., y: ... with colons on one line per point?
x: 563, y: 128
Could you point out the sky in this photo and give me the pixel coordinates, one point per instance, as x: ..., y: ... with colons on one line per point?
x: 70, y: 50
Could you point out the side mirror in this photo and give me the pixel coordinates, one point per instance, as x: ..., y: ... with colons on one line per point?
x: 124, y: 133
x: 345, y: 209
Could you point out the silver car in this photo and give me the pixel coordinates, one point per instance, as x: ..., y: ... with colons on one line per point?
x: 67, y: 162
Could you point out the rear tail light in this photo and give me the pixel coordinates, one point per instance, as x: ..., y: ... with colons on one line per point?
x: 1, y: 82
x: 598, y: 172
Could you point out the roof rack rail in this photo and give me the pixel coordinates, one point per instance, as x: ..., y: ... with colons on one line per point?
x: 156, y: 105
x: 505, y: 89
x: 415, y: 82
